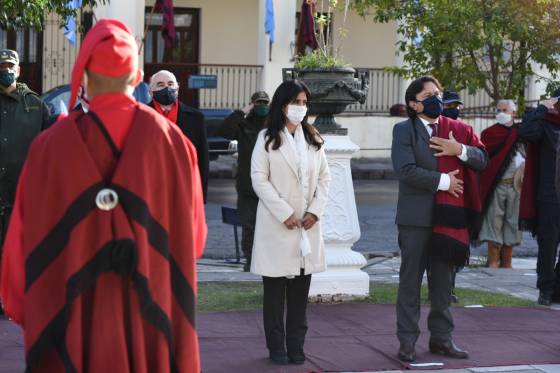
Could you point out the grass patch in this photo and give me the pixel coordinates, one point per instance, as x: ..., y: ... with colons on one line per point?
x: 387, y: 294
x: 231, y: 296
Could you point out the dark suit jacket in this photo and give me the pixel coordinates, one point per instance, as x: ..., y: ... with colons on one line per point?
x: 537, y: 130
x: 416, y: 168
x: 191, y: 123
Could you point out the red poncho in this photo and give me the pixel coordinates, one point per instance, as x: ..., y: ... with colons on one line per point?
x: 100, y: 284
x: 109, y: 290
x: 499, y: 141
x: 455, y: 219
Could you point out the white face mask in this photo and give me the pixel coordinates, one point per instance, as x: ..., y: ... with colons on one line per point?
x: 503, y: 118
x: 296, y: 113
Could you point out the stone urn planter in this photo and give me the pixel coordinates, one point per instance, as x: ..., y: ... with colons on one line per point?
x: 332, y: 90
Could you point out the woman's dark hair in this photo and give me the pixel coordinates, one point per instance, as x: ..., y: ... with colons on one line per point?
x: 285, y: 94
x: 416, y: 87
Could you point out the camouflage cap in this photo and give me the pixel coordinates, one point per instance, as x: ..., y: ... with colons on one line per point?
x: 450, y: 97
x: 8, y: 55
x: 260, y: 96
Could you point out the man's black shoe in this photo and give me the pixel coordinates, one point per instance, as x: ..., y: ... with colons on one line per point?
x: 448, y: 349
x: 296, y: 357
x: 279, y: 357
x: 454, y: 298
x: 544, y: 299
x: 247, y: 267
x: 407, y: 352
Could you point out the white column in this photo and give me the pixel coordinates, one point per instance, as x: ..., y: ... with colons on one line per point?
x: 399, y: 62
x: 344, y: 279
x: 131, y: 12
x: 538, y: 88
x: 285, y: 23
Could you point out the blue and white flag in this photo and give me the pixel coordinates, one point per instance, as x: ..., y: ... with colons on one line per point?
x: 70, y: 27
x: 269, y: 20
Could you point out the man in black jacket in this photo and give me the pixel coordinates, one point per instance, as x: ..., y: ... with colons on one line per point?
x: 22, y: 116
x: 244, y: 126
x: 541, y: 128
x: 164, y: 90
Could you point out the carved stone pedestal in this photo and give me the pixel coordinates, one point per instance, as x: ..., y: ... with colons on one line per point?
x: 344, y: 279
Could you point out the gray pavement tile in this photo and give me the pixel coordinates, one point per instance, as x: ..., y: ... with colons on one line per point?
x: 551, y: 368
x: 380, y: 371
x: 444, y: 371
x: 512, y: 368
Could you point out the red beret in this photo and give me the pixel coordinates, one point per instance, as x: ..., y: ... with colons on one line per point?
x: 108, y: 49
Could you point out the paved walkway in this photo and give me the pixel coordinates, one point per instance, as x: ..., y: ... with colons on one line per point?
x: 518, y: 282
x: 376, y: 201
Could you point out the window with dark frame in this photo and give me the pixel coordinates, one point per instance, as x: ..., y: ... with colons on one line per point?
x: 185, y: 48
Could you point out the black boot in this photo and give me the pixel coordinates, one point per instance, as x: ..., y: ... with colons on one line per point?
x: 278, y: 357
x: 407, y: 352
x: 296, y: 357
x: 545, y: 299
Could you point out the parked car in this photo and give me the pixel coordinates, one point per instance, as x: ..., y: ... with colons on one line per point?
x: 58, y: 99
x: 213, y: 119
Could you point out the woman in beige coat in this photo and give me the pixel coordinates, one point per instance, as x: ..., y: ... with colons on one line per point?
x: 290, y: 175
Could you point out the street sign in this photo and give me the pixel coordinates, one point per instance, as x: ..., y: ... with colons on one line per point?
x: 203, y: 82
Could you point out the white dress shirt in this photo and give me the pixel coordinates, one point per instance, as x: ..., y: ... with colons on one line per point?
x: 445, y: 179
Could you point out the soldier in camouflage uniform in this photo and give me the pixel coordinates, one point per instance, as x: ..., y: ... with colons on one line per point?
x: 22, y: 116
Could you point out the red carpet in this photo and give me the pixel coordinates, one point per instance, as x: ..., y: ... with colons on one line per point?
x: 357, y: 337
x: 361, y: 337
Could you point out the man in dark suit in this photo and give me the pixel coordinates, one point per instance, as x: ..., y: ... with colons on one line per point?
x: 414, y: 154
x: 164, y: 90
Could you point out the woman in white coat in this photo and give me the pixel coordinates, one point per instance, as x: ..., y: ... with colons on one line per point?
x: 290, y: 175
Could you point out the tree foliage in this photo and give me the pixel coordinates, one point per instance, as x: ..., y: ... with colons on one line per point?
x: 30, y: 13
x: 474, y: 44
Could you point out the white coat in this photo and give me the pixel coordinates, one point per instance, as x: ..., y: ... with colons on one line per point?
x: 276, y: 249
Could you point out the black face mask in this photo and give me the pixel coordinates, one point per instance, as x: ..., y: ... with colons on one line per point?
x: 433, y: 106
x: 166, y: 96
x: 7, y: 77
x: 449, y: 112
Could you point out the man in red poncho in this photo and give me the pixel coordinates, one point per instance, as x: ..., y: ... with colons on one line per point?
x: 498, y: 189
x: 99, y: 266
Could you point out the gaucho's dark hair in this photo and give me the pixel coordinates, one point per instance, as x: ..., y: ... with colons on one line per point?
x: 416, y: 87
x: 285, y: 94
